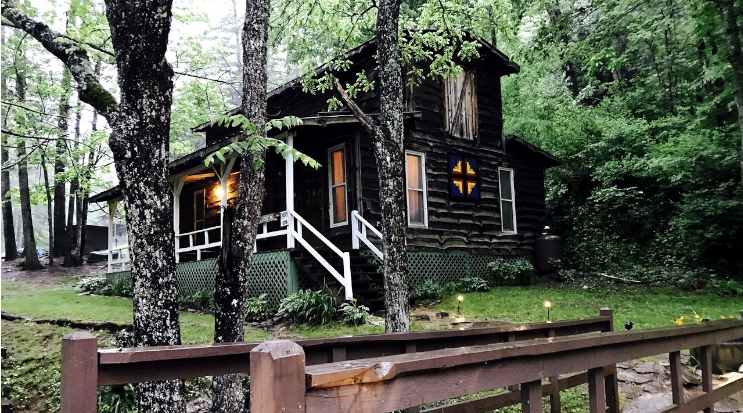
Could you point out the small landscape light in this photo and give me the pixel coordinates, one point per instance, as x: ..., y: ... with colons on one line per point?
x: 548, y: 306
x: 460, y: 298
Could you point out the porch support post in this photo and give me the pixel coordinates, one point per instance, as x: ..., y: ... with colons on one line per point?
x: 111, y: 243
x: 177, y: 188
x: 289, y: 178
x: 223, y: 174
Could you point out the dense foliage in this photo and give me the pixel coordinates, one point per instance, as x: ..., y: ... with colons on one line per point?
x: 519, y: 272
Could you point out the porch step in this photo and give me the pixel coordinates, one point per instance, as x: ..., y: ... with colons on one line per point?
x: 367, y: 280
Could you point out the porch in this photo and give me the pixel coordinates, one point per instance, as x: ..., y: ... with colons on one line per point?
x: 312, y: 214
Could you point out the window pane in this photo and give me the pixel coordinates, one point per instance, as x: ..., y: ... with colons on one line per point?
x: 198, y: 205
x: 507, y: 216
x: 415, y: 201
x: 337, y: 165
x: 339, y: 204
x: 505, y: 184
x: 414, y: 171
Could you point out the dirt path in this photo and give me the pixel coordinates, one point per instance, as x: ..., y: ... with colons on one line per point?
x: 47, y: 276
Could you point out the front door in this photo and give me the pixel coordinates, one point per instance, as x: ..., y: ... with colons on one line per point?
x: 309, y: 201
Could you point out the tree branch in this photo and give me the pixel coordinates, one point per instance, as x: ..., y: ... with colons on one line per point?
x: 363, y: 118
x: 75, y: 58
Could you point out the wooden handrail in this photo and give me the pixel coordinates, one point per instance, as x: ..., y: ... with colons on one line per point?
x: 357, y: 235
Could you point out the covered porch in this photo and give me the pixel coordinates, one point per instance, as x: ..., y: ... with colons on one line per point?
x: 304, y: 209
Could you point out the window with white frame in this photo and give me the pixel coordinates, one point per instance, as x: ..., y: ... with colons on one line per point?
x: 337, y: 185
x: 415, y: 182
x: 507, y: 200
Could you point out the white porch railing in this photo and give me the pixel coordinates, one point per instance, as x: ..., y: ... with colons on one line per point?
x: 122, y: 258
x: 359, y: 227
x: 199, y: 246
x: 296, y: 232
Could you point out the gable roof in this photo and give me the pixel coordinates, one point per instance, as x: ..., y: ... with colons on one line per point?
x: 510, y: 66
x: 550, y: 159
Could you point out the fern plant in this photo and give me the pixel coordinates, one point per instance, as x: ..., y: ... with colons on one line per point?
x: 309, y: 307
x: 353, y: 314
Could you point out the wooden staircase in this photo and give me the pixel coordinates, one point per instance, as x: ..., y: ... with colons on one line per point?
x: 367, y: 279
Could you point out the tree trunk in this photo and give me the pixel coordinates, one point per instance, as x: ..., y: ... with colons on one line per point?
x: 229, y: 295
x: 49, y: 204
x: 139, y: 142
x: 60, y: 190
x: 74, y: 203
x: 11, y: 250
x: 29, y: 241
x: 735, y: 57
x: 389, y: 153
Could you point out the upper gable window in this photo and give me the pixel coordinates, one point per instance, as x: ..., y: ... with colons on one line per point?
x: 460, y: 103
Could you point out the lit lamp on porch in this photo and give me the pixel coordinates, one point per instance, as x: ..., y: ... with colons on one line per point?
x: 460, y: 298
x: 219, y: 192
x: 548, y: 306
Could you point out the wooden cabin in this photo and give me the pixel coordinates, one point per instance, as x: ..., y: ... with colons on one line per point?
x: 473, y: 194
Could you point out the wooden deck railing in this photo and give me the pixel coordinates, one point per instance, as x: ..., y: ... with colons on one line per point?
x: 283, y: 383
x: 85, y: 366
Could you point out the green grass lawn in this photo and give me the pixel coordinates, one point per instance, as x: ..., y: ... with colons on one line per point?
x: 63, y: 302
x: 643, y: 307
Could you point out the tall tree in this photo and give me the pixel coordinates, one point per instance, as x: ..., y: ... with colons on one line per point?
x: 74, y: 198
x: 735, y: 57
x: 11, y: 250
x: 29, y: 240
x: 229, y: 295
x: 387, y: 136
x: 139, y: 143
x: 58, y: 239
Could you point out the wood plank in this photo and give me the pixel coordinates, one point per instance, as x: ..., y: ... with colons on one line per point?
x: 277, y: 385
x: 531, y: 397
x: 677, y: 377
x: 79, y: 388
x: 695, y: 404
x: 380, y: 369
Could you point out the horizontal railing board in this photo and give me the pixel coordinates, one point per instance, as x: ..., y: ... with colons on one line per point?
x: 469, y: 372
x: 385, y: 368
x: 497, y: 401
x: 142, y: 354
x: 136, y: 365
x: 698, y: 403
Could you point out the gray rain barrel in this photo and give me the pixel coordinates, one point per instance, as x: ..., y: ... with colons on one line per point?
x: 548, y: 247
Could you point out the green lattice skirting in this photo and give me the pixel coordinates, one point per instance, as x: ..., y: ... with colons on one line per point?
x: 272, y: 273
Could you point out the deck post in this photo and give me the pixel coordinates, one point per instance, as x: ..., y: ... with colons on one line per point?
x: 289, y: 178
x: 277, y: 382
x: 610, y: 378
x: 531, y: 397
x: 79, y: 384
x: 596, y: 390
x: 177, y: 188
x: 705, y: 361
x: 677, y: 378
x: 555, y: 405
x: 111, y: 233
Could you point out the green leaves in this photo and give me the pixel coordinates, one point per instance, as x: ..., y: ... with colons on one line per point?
x: 256, y: 143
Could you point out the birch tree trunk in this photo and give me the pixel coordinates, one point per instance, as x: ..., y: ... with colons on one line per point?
x: 49, y: 206
x: 735, y: 57
x: 60, y: 189
x: 229, y: 295
x: 389, y: 153
x: 139, y: 141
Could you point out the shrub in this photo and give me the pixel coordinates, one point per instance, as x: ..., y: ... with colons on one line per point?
x: 724, y: 287
x: 448, y: 289
x: 520, y: 272
x: 353, y: 314
x: 256, y: 308
x: 561, y: 271
x: 202, y: 298
x: 472, y: 284
x: 427, y: 290
x: 308, y: 306
x: 117, y: 399
x: 94, y: 285
x: 122, y: 287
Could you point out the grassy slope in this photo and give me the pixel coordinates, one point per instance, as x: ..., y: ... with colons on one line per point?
x: 644, y: 308
x: 63, y: 302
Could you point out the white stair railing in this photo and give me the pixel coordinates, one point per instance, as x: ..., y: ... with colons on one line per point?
x: 359, y: 228
x: 296, y: 232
